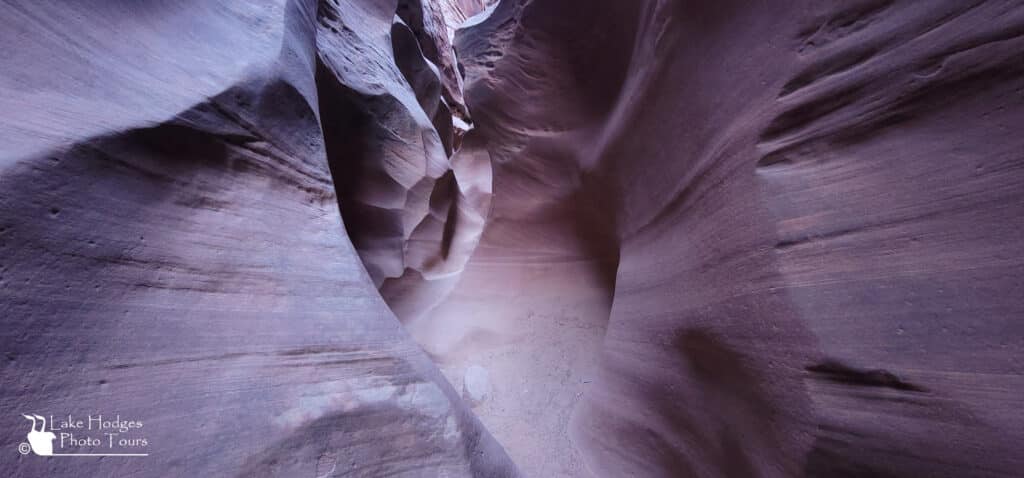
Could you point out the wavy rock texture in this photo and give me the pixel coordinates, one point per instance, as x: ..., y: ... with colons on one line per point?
x: 457, y: 12
x: 172, y: 249
x: 785, y: 230
x: 643, y: 238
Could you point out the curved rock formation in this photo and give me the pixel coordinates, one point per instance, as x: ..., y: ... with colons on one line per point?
x: 388, y: 127
x: 457, y: 12
x: 643, y: 238
x: 173, y: 251
x: 808, y: 209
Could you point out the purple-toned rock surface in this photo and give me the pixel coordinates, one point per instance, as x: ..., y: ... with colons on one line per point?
x: 586, y: 238
x: 787, y: 230
x: 172, y: 249
x: 457, y: 12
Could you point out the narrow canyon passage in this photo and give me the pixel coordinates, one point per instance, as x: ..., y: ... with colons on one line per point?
x: 523, y: 300
x: 497, y: 238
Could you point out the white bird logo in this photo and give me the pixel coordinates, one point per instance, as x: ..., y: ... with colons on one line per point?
x: 40, y: 440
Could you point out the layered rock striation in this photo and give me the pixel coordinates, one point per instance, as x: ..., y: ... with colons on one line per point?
x: 172, y: 248
x: 468, y: 238
x: 801, y: 215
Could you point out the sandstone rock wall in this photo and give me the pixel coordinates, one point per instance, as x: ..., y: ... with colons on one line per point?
x: 811, y: 208
x: 642, y: 238
x: 172, y: 248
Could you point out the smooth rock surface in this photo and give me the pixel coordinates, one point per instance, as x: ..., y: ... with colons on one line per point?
x: 640, y: 238
x: 172, y: 249
x: 784, y: 230
x: 476, y: 387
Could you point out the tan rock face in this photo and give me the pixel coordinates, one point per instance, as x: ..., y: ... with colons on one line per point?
x: 557, y: 238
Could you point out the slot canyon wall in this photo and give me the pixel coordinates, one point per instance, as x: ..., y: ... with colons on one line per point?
x: 527, y: 237
x: 173, y: 252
